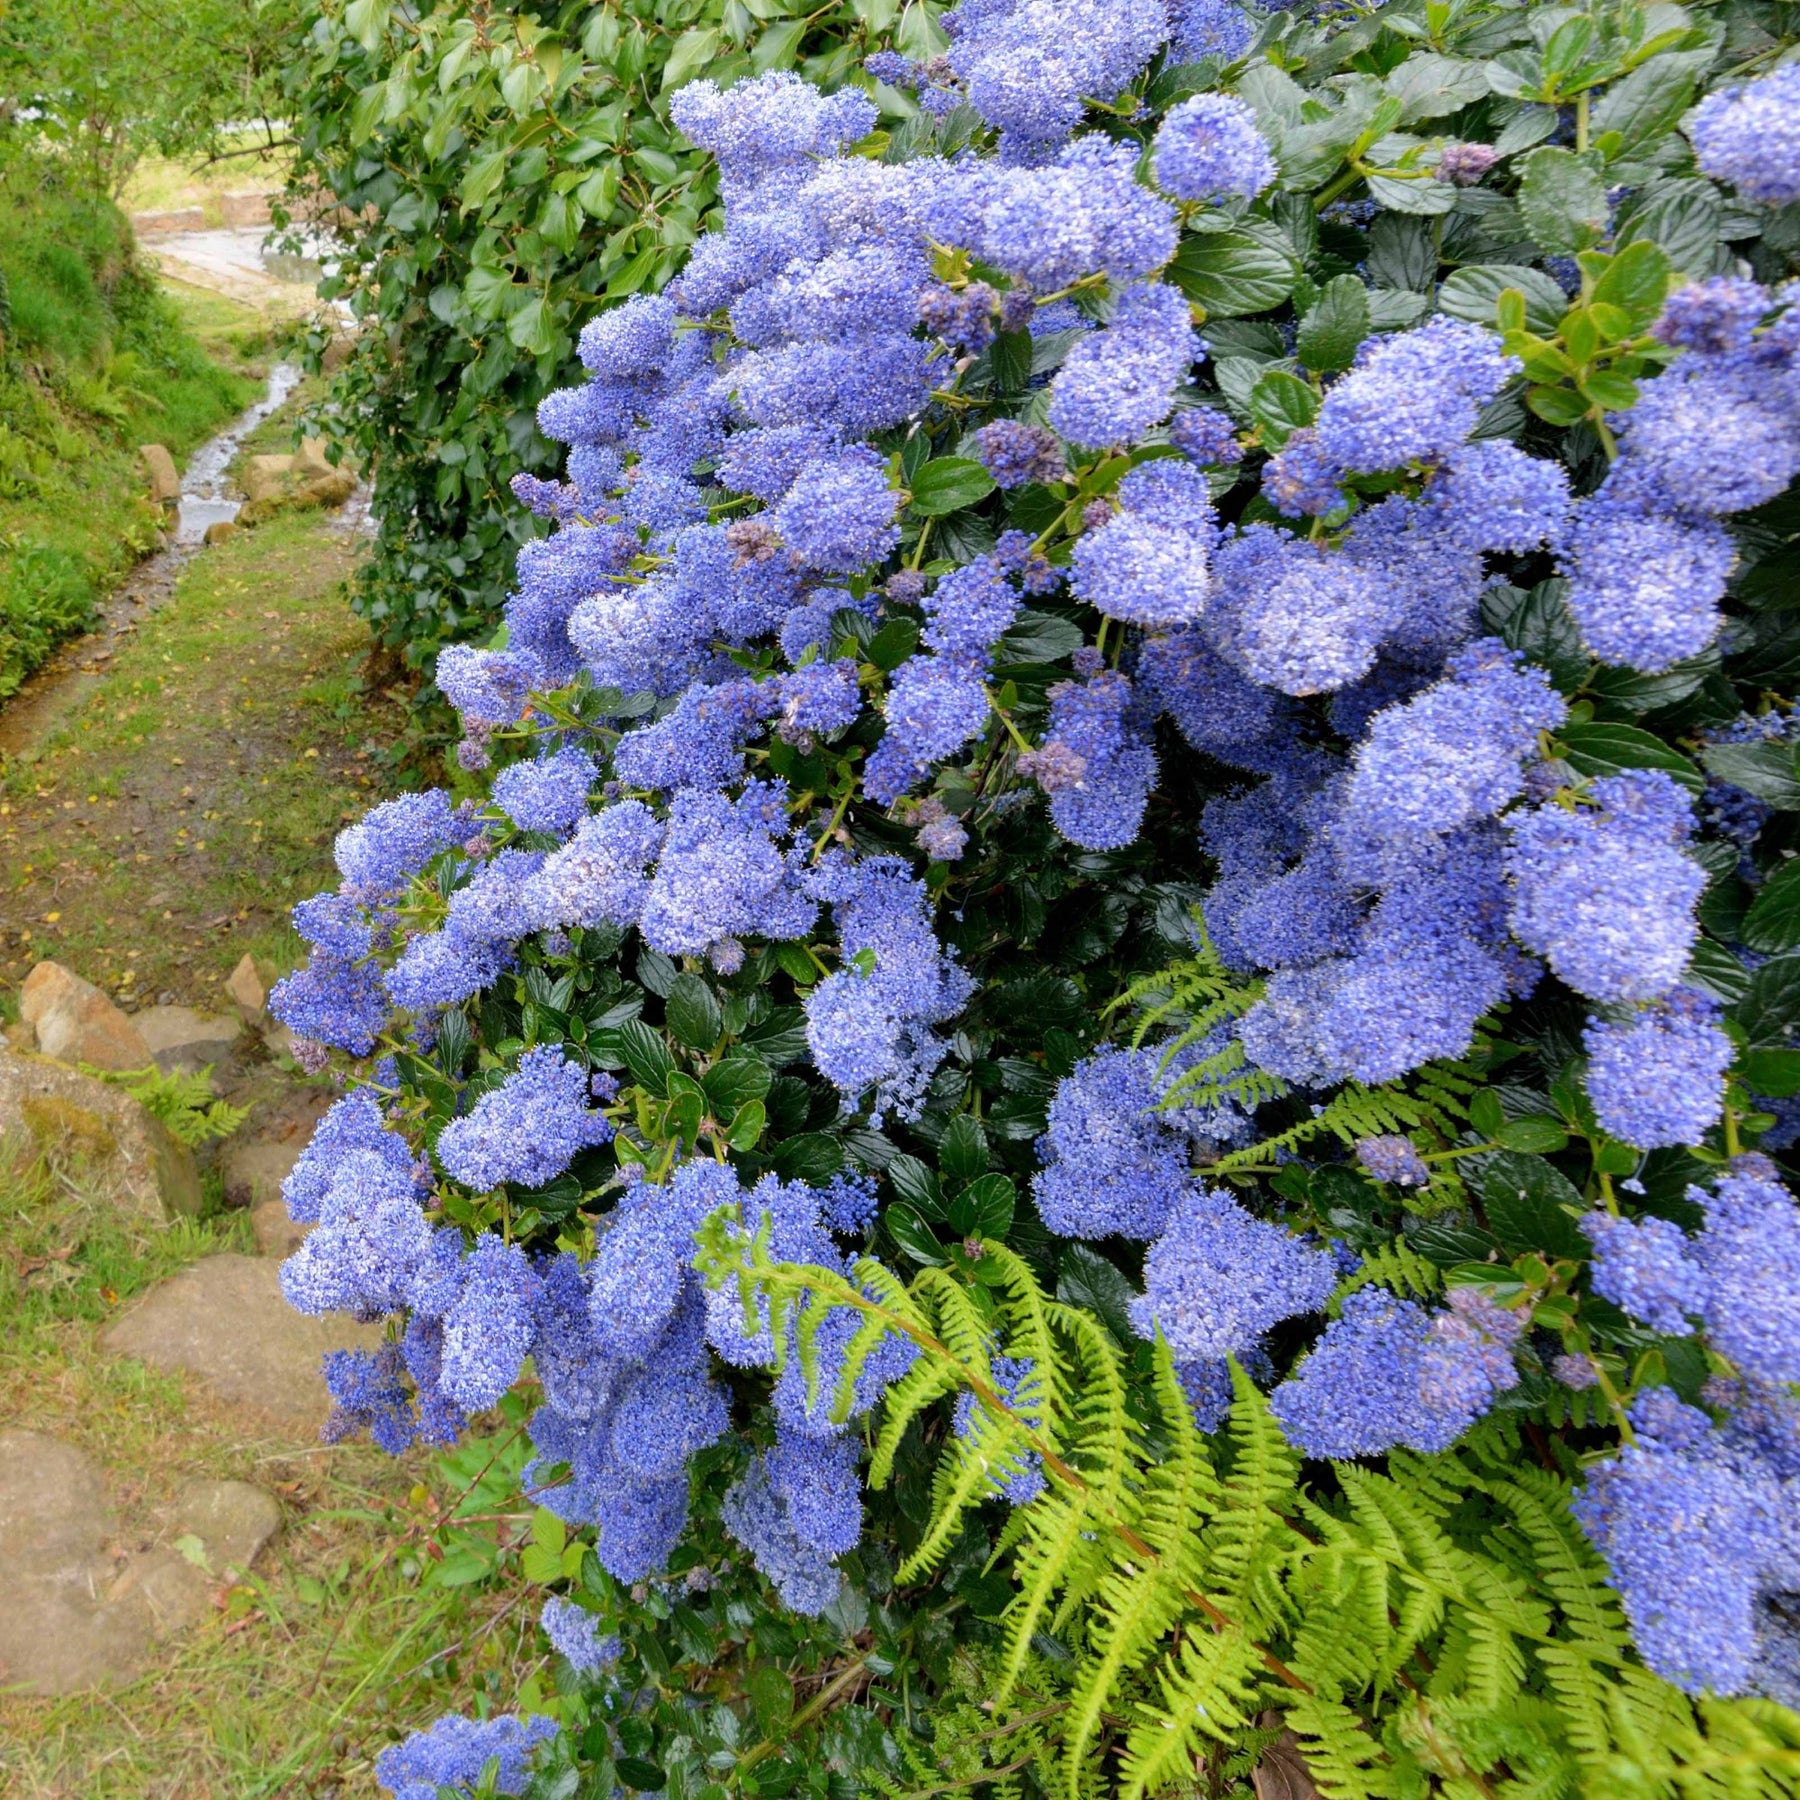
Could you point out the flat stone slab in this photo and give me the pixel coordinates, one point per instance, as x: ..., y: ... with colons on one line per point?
x: 142, y: 1168
x: 76, y: 1612
x: 255, y: 1168
x: 182, y: 1038
x: 276, y: 1233
x: 224, y: 1321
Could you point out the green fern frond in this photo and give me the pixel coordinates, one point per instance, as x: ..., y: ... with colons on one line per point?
x: 1394, y: 1265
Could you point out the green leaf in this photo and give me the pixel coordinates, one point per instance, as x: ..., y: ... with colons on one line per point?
x: 1395, y: 309
x: 693, y: 1014
x: 913, y: 1237
x: 1009, y: 359
x: 893, y: 643
x: 633, y: 275
x: 646, y: 1056
x: 1768, y: 771
x: 366, y: 21
x: 1557, y: 405
x: 1770, y: 1011
x: 1524, y: 1198
x: 1472, y: 293
x: 1086, y: 1279
x: 1231, y: 273
x: 1602, y: 748
x: 1281, y: 404
x: 1538, y: 624
x: 1040, y: 638
x: 1775, y: 1074
x: 533, y: 328
x: 917, y: 1185
x: 946, y: 484
x: 813, y: 1157
x: 692, y: 51
x: 1773, y: 922
x: 1428, y: 86
x: 1682, y: 216
x: 963, y: 1153
x: 739, y: 1079
x: 1536, y: 1131
x: 1333, y: 327
x: 1636, y: 281
x: 747, y: 1125
x: 1645, y: 105
x: 1713, y: 968
x: 984, y: 1209
x: 1563, y: 201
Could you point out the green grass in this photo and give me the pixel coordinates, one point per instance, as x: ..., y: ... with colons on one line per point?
x: 346, y: 1635
x: 95, y: 359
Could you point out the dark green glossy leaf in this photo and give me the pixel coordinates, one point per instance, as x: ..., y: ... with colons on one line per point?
x: 1601, y: 748
x: 693, y: 1013
x: 948, y: 483
x: 1768, y: 771
x: 1085, y: 1278
x: 913, y: 1236
x: 1526, y: 1201
x: 1563, y: 200
x: 1230, y: 273
x: 1335, y: 324
x: 1281, y: 404
x: 813, y: 1158
x: 1773, y: 921
x: 984, y: 1209
x: 646, y: 1055
x: 1769, y: 1010
x: 963, y: 1150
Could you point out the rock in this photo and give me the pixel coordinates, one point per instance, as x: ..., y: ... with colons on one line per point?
x: 20, y: 1037
x: 161, y: 224
x: 279, y: 1040
x: 337, y: 353
x: 232, y: 1520
x: 139, y: 1165
x: 248, y: 989
x: 326, y: 490
x: 57, y: 1635
x: 76, y: 1023
x: 225, y: 1322
x: 75, y: 1614
x: 245, y: 208
x: 265, y: 478
x: 159, y: 466
x: 276, y: 1233
x: 255, y: 1168
x: 181, y: 1038
x: 219, y: 530
x: 310, y: 459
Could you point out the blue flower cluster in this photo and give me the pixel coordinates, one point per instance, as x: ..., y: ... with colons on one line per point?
x: 454, y: 1752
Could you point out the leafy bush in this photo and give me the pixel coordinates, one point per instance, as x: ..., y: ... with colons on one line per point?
x: 500, y: 180
x: 1114, y: 1014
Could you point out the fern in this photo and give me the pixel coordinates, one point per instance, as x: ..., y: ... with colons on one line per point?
x: 182, y: 1102
x: 1200, y: 1585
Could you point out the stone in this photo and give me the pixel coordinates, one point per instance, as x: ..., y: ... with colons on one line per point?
x: 224, y: 1321
x: 245, y: 207
x: 159, y: 466
x: 76, y: 1023
x: 182, y: 1038
x: 162, y: 224
x: 276, y: 1233
x: 20, y: 1037
x: 255, y: 1167
x: 57, y: 1634
x: 337, y: 353
x: 232, y: 1520
x: 247, y: 988
x: 137, y: 1164
x: 265, y: 479
x: 219, y: 531
x: 77, y: 1613
x: 310, y: 459
x: 332, y: 489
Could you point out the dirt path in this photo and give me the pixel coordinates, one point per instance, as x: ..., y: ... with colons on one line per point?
x: 190, y: 796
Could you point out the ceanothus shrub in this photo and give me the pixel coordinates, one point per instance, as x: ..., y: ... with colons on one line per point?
x: 1073, y: 735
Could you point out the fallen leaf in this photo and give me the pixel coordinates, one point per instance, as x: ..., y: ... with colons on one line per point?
x: 1282, y: 1773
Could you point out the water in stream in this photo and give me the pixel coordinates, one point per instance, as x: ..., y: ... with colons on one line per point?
x: 207, y: 496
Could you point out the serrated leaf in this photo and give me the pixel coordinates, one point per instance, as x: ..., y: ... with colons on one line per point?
x: 1086, y: 1279
x: 1231, y: 273
x: 1428, y: 86
x: 1562, y: 199
x: 913, y: 1236
x: 1334, y: 325
x: 917, y: 1185
x: 813, y: 1157
x: 692, y: 1013
x: 646, y: 1056
x: 1636, y: 281
x: 1603, y: 748
x: 739, y: 1079
x: 1773, y: 922
x: 1769, y: 1011
x: 1525, y: 1199
x: 1768, y: 771
x: 1281, y: 404
x: 1474, y: 292
x: 984, y: 1209
x: 1538, y: 624
x: 946, y: 484
x: 963, y: 1150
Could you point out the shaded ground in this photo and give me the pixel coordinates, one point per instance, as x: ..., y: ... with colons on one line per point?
x: 180, y: 807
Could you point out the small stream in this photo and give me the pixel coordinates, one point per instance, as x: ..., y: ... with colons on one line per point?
x: 207, y: 497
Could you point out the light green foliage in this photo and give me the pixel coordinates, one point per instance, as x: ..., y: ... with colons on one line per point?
x: 183, y: 1101
x: 1440, y: 1626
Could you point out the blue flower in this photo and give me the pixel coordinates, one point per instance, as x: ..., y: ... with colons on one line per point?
x: 527, y: 1130
x: 1208, y: 148
x: 454, y: 1751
